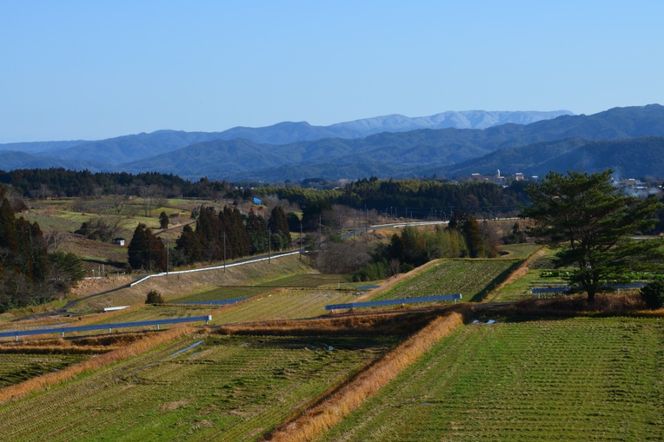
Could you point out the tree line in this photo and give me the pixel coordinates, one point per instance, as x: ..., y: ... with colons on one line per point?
x: 28, y: 273
x: 407, y: 198
x: 463, y: 237
x: 217, y: 235
x: 58, y: 182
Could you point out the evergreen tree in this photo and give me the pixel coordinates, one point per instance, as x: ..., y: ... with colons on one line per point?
x: 471, y: 232
x: 591, y: 222
x: 209, y: 232
x: 189, y: 246
x: 256, y: 229
x: 163, y: 220
x: 278, y: 226
x: 8, y: 238
x: 139, y: 248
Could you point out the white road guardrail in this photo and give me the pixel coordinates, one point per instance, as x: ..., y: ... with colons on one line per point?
x: 205, y: 269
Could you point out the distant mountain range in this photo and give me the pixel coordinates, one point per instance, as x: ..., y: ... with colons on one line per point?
x: 451, y: 144
x: 111, y: 152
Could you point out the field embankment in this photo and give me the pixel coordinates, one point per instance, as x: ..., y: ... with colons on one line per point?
x: 592, y: 378
x: 51, y: 378
x: 333, y: 409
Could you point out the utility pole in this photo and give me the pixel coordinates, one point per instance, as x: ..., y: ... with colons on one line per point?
x: 269, y: 246
x: 300, y: 239
x: 224, y: 251
x: 168, y: 257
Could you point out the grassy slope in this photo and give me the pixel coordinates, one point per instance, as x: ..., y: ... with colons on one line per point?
x: 230, y: 388
x: 15, y: 368
x: 465, y: 276
x: 591, y: 379
x: 180, y: 286
x: 520, y: 288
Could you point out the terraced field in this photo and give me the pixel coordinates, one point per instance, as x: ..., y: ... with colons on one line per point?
x: 519, y: 251
x: 282, y: 304
x: 520, y: 288
x: 591, y: 379
x: 303, y: 280
x: 15, y: 368
x: 227, y: 388
x: 466, y: 276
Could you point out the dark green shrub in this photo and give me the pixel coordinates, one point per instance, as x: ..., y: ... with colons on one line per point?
x: 653, y: 294
x: 154, y: 297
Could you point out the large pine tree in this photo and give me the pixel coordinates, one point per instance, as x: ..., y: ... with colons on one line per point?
x: 591, y: 222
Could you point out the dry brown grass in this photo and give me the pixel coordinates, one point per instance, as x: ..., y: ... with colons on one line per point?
x: 380, y: 323
x: 334, y: 408
x: 55, y: 349
x: 133, y: 349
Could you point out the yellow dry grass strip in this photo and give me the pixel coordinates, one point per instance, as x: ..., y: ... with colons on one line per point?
x: 332, y: 410
x: 133, y: 349
x: 55, y: 349
x: 518, y: 273
x: 396, y: 280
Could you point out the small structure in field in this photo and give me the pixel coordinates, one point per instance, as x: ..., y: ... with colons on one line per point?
x: 119, y: 241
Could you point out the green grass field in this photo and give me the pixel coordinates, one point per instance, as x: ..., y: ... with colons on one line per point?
x: 302, y: 280
x: 282, y: 304
x: 466, y: 276
x: 520, y: 288
x: 228, y: 388
x: 519, y: 251
x: 575, y: 379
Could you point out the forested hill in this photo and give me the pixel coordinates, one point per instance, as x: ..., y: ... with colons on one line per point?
x: 417, y: 153
x: 633, y: 157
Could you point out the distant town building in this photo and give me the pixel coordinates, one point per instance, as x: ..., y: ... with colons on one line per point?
x: 518, y: 176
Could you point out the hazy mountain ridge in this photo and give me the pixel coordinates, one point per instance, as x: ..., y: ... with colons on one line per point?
x: 420, y: 152
x: 423, y: 152
x: 111, y: 152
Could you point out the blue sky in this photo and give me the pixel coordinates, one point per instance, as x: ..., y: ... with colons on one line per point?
x: 94, y: 69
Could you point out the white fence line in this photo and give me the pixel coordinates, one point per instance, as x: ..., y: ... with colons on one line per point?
x: 205, y: 269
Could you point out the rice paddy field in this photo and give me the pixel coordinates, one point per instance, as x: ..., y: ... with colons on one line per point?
x: 17, y: 367
x: 575, y: 379
x: 466, y: 276
x: 209, y: 388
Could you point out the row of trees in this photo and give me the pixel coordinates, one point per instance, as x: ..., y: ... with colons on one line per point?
x: 464, y: 237
x: 57, y: 182
x: 408, y: 198
x: 226, y: 234
x: 28, y: 273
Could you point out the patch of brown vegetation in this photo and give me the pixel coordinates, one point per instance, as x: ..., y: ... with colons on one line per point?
x: 170, y: 406
x: 379, y: 323
x: 54, y: 349
x: 335, y: 407
x: 132, y: 349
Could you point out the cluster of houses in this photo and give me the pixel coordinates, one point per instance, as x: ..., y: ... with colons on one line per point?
x: 638, y: 188
x: 501, y: 179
